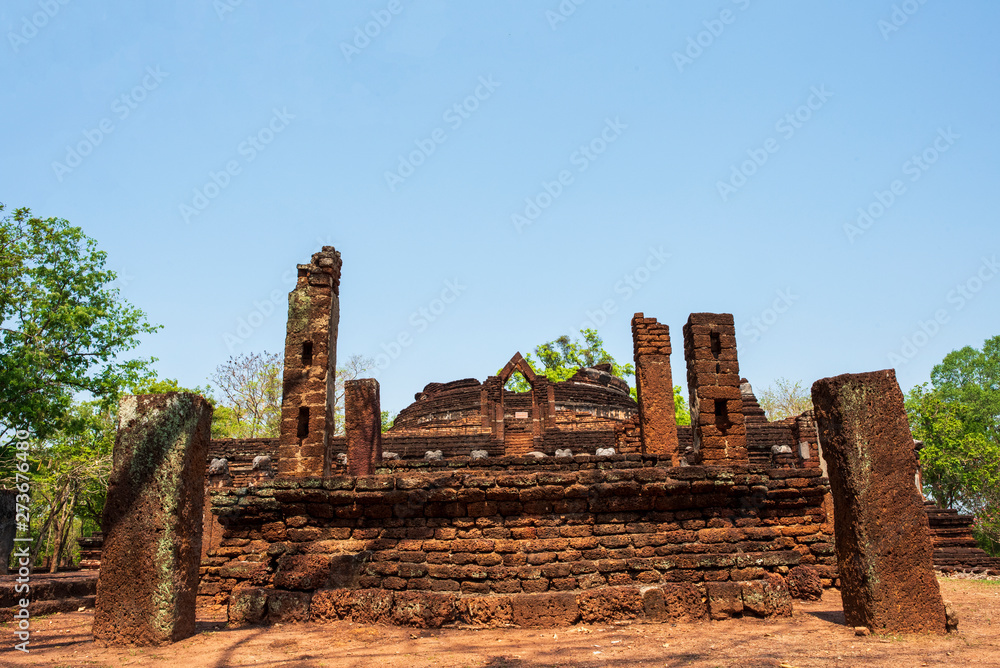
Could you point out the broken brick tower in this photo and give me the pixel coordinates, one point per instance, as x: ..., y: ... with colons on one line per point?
x: 310, y: 368
x: 713, y: 371
x: 655, y: 388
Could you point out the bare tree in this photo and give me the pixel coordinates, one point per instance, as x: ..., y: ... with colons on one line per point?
x: 251, y: 395
x: 784, y: 398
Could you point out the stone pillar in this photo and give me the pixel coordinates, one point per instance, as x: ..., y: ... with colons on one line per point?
x: 218, y: 477
x: 363, y: 425
x: 713, y: 374
x: 883, y: 542
x: 152, y: 521
x: 655, y: 388
x: 304, y: 448
x: 8, y: 527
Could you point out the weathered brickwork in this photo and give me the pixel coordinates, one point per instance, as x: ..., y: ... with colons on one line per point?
x: 955, y: 548
x: 514, y: 525
x: 883, y: 541
x: 655, y: 388
x: 363, y: 425
x: 152, y: 521
x: 668, y: 602
x: 583, y: 413
x: 713, y: 374
x: 310, y: 367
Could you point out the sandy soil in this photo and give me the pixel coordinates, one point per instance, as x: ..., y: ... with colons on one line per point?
x: 814, y: 636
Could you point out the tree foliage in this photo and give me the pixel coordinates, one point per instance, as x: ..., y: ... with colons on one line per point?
x: 784, y: 398
x: 681, y: 408
x: 957, y: 416
x: 250, y: 405
x: 559, y: 359
x: 62, y: 327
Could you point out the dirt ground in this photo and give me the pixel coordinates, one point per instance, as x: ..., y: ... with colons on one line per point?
x: 814, y: 636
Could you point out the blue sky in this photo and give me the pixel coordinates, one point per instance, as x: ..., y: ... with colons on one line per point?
x: 821, y: 171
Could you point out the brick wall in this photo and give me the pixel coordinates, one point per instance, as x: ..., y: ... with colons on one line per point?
x: 506, y: 525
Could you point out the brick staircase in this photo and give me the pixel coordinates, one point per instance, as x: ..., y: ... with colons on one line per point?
x: 955, y: 549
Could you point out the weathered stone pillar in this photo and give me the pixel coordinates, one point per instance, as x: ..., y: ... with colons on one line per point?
x: 713, y: 373
x: 655, y: 388
x: 363, y: 425
x: 8, y: 527
x: 211, y: 533
x: 883, y: 541
x: 304, y: 448
x: 153, y: 521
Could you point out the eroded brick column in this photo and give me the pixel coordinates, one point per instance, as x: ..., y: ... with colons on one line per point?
x: 655, y: 388
x: 310, y: 368
x: 363, y: 424
x: 153, y: 521
x: 713, y: 374
x: 883, y: 541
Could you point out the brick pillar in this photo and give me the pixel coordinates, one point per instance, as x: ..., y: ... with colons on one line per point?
x: 883, y: 541
x: 655, y: 388
x: 713, y: 372
x: 310, y: 368
x: 153, y: 521
x: 211, y: 533
x: 363, y: 425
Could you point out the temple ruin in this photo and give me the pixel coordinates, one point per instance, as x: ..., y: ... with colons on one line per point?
x: 569, y: 501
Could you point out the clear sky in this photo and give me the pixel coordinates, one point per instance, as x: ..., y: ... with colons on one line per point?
x: 823, y: 171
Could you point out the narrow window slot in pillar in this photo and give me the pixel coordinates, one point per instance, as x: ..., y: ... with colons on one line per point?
x: 721, y: 416
x: 307, y: 353
x: 716, y: 344
x: 303, y: 428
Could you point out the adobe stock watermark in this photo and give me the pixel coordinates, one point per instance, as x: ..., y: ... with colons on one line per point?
x: 248, y: 150
x: 766, y: 319
x: 630, y: 283
x: 454, y: 116
x: 786, y: 126
x: 706, y: 38
x: 223, y: 7
x: 915, y: 167
x: 957, y: 298
x: 275, y: 302
x: 22, y: 541
x: 363, y: 35
x: 899, y: 17
x: 419, y: 321
x: 122, y: 107
x: 581, y: 158
x: 122, y: 279
x: 30, y: 25
x: 562, y: 12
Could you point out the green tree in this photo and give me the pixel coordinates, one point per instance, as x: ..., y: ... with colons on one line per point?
x: 957, y: 416
x: 784, y: 399
x: 69, y: 472
x: 681, y: 406
x: 388, y: 417
x: 62, y: 325
x: 250, y: 406
x: 559, y: 359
